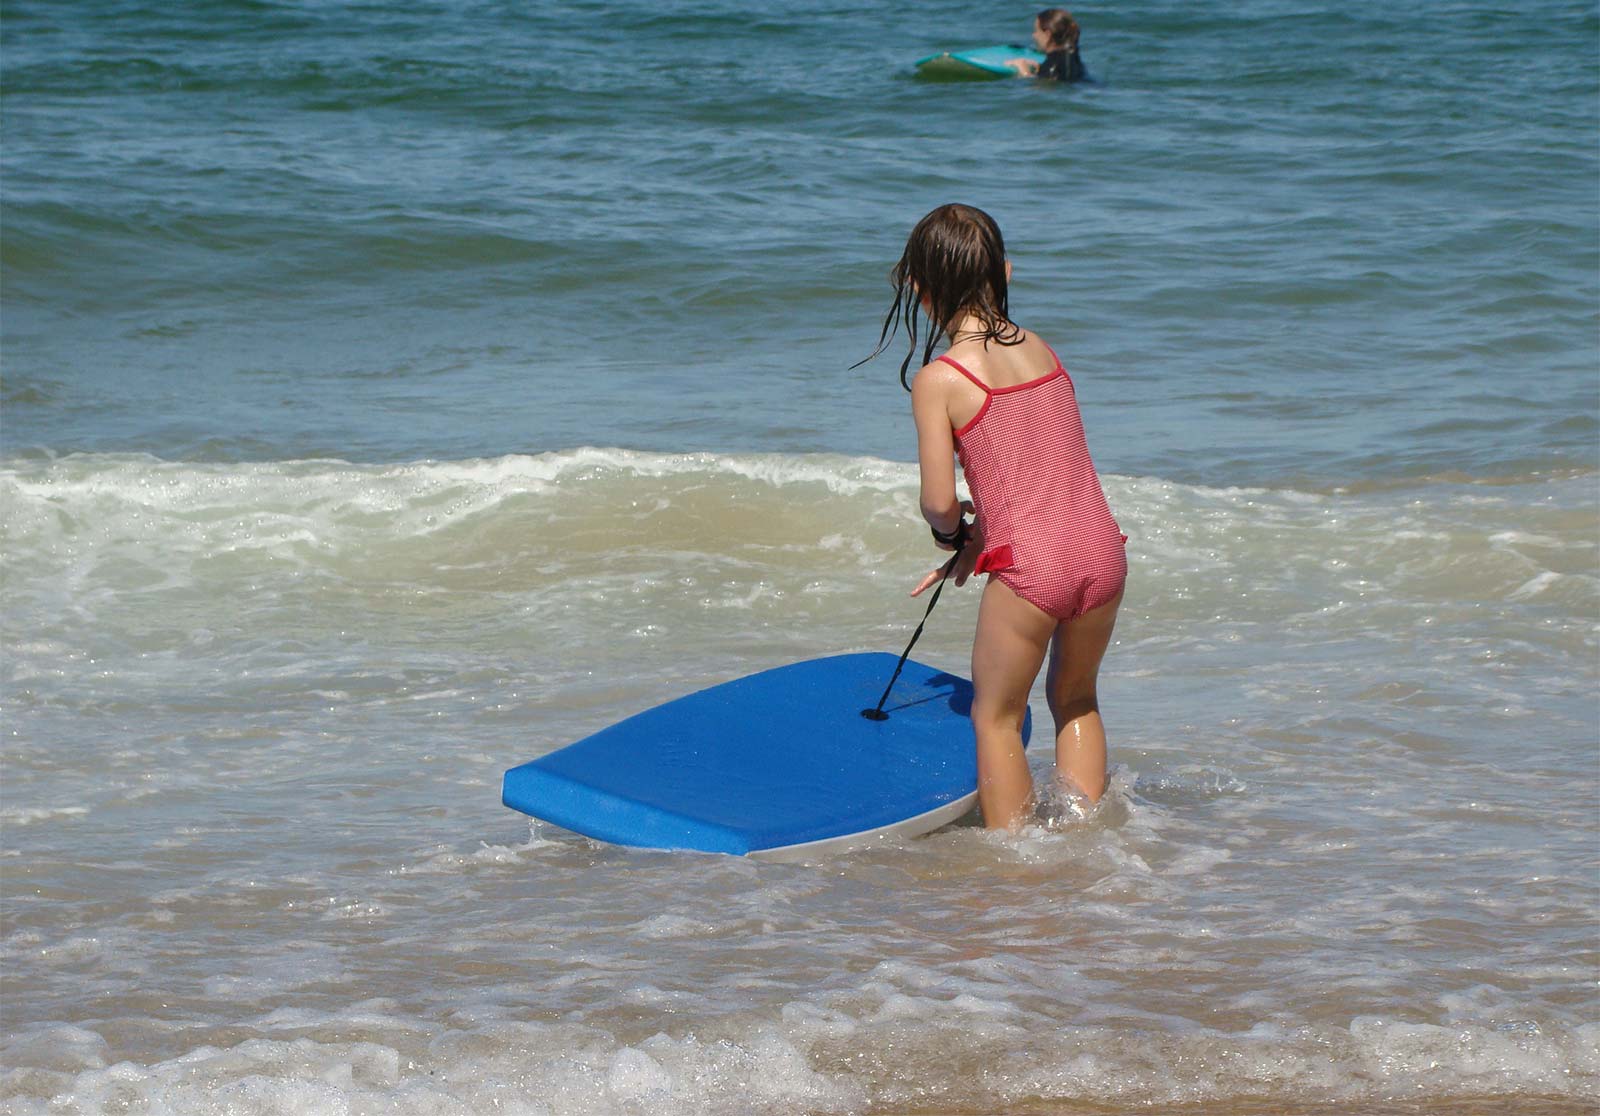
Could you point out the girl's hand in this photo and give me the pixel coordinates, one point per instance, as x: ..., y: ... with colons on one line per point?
x: 968, y: 559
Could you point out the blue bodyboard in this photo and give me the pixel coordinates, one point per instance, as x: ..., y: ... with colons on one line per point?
x: 773, y: 761
x: 979, y: 63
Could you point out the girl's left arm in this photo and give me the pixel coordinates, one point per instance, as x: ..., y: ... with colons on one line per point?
x: 936, y: 450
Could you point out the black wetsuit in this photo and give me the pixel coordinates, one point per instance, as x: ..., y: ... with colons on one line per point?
x: 1063, y: 65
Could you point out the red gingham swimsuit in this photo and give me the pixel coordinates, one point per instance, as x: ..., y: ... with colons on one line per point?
x: 1048, y: 532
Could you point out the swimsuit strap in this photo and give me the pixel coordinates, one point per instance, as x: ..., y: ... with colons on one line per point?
x: 1052, y: 353
x: 957, y: 366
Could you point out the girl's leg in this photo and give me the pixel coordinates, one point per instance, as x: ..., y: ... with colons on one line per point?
x: 1006, y: 655
x: 1075, y: 656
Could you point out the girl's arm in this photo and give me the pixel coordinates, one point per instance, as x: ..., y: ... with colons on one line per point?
x: 936, y: 449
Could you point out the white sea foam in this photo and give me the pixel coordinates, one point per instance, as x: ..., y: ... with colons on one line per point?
x: 28, y: 815
x: 122, y: 523
x: 826, y: 1062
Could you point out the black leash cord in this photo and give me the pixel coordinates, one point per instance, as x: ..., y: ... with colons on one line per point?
x: 878, y: 714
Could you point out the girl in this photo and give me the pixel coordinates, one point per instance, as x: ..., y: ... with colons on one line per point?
x: 1000, y: 398
x: 1055, y: 33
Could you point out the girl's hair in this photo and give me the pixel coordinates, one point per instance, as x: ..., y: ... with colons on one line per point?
x: 955, y: 260
x: 1060, y: 27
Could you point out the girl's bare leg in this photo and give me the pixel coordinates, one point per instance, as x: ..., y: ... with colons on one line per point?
x: 1006, y: 655
x: 1075, y: 656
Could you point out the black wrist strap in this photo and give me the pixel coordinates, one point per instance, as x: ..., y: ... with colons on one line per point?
x: 957, y: 538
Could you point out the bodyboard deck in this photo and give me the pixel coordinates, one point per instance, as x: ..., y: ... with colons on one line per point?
x: 976, y: 64
x: 780, y: 761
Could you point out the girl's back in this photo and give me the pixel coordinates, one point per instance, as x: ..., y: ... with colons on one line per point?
x: 1002, y: 366
x: 998, y: 367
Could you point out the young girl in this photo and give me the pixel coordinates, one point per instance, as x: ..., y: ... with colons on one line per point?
x: 1055, y: 33
x: 1001, y: 400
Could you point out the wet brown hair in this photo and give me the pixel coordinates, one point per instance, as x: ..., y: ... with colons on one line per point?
x: 955, y: 259
x: 1060, y: 27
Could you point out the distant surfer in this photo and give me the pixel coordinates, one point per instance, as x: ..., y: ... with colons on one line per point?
x: 1000, y: 398
x: 1055, y: 33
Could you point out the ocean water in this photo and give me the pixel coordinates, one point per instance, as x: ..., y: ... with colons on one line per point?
x: 395, y: 393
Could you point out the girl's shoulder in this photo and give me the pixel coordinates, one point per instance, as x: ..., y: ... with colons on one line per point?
x: 937, y: 374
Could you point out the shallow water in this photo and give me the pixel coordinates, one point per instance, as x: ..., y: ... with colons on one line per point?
x: 258, y: 716
x: 391, y: 397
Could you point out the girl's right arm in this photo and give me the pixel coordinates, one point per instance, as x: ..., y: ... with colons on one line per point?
x: 936, y: 452
x: 936, y: 449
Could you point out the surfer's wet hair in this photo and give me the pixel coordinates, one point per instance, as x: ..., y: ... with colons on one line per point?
x: 955, y: 261
x: 1059, y: 27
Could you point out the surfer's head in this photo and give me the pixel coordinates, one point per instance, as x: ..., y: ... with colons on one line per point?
x: 954, y: 267
x: 1055, y: 29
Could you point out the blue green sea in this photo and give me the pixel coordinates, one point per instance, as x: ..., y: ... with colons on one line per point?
x: 393, y: 393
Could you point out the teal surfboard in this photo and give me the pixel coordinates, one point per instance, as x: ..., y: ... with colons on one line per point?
x: 977, y: 64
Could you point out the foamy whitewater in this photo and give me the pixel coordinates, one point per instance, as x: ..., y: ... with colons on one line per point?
x: 395, y: 393
x: 256, y: 860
